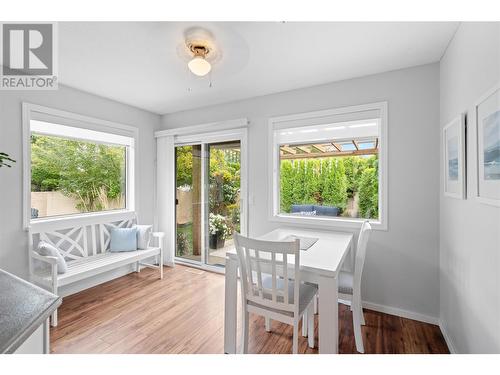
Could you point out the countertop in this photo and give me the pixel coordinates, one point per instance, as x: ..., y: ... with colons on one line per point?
x: 23, y: 308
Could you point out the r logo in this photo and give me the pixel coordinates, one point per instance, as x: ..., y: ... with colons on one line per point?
x: 27, y: 49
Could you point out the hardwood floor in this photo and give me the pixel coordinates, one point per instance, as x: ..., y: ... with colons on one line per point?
x: 184, y: 312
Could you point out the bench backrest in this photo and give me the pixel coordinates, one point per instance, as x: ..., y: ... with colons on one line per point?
x: 82, y: 237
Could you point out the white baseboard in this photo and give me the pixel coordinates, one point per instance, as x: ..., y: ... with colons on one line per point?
x: 447, y: 338
x: 396, y: 311
x: 402, y: 313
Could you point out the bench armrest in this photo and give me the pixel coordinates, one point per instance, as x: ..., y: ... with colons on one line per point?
x: 53, y: 268
x: 158, y: 234
x: 44, y: 258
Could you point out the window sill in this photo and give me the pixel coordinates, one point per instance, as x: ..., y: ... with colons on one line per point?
x: 327, y: 223
x: 82, y: 219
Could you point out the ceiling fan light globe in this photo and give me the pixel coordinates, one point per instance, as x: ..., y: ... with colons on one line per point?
x: 199, y: 66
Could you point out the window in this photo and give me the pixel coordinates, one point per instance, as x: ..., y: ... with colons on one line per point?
x: 329, y: 166
x: 74, y: 169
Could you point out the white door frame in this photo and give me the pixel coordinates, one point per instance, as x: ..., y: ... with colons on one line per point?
x: 238, y: 134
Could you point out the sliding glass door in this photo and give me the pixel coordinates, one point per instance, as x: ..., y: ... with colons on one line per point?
x: 224, y: 166
x: 208, y: 200
x: 188, y: 200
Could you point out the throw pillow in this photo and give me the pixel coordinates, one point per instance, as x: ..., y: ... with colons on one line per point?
x: 143, y: 236
x: 123, y: 239
x: 46, y: 249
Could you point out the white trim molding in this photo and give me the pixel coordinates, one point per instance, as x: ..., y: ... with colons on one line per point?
x: 203, y: 128
x: 401, y: 312
x: 396, y: 311
x: 88, y: 127
x: 341, y: 116
x: 449, y: 342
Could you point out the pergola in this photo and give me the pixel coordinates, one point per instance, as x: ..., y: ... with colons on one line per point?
x: 351, y: 147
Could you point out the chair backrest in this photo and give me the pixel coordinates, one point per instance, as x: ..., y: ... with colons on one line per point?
x: 260, y: 260
x: 82, y: 237
x: 359, y: 262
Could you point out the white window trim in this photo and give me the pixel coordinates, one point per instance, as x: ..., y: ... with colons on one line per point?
x: 30, y: 110
x: 345, y: 223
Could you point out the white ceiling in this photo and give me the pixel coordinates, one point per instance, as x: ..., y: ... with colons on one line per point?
x: 139, y: 63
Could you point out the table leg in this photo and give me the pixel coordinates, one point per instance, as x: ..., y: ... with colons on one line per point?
x: 328, y: 316
x: 230, y: 306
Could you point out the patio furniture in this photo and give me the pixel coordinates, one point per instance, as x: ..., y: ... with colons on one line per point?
x: 309, y: 209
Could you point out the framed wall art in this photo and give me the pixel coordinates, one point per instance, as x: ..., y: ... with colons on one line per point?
x: 454, y: 158
x: 487, y: 110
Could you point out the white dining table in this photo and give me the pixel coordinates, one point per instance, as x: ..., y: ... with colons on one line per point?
x: 320, y: 264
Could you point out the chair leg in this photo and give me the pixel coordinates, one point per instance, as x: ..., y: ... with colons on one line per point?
x: 295, y: 346
x: 304, y: 324
x: 356, y: 320
x: 316, y: 298
x: 310, y: 326
x: 360, y: 312
x: 160, y: 263
x: 137, y: 267
x: 244, y: 339
x: 268, y: 324
x: 361, y: 315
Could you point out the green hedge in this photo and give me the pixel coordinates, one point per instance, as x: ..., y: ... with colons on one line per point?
x: 368, y: 193
x: 331, y: 182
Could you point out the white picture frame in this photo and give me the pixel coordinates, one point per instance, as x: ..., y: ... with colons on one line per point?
x: 487, y: 117
x: 454, y: 158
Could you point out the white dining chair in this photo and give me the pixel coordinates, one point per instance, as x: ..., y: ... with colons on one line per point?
x: 350, y: 286
x: 271, y: 285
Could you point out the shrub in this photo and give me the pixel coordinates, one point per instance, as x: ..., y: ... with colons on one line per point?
x: 368, y: 194
x: 335, y: 184
x: 326, y: 181
x: 91, y: 173
x: 182, y: 244
x: 218, y: 225
x: 286, y: 185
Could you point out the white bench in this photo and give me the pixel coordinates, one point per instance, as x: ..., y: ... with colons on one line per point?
x: 84, y: 243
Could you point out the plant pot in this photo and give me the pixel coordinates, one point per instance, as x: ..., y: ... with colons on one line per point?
x: 216, y: 241
x: 220, y: 242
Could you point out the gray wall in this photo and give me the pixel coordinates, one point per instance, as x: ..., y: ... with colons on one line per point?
x: 402, y: 263
x: 469, y: 230
x: 13, y: 240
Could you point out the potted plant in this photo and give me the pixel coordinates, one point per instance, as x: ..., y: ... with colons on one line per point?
x: 219, y: 231
x: 5, y: 160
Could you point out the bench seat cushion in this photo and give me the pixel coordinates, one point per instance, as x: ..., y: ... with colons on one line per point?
x: 86, y: 267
